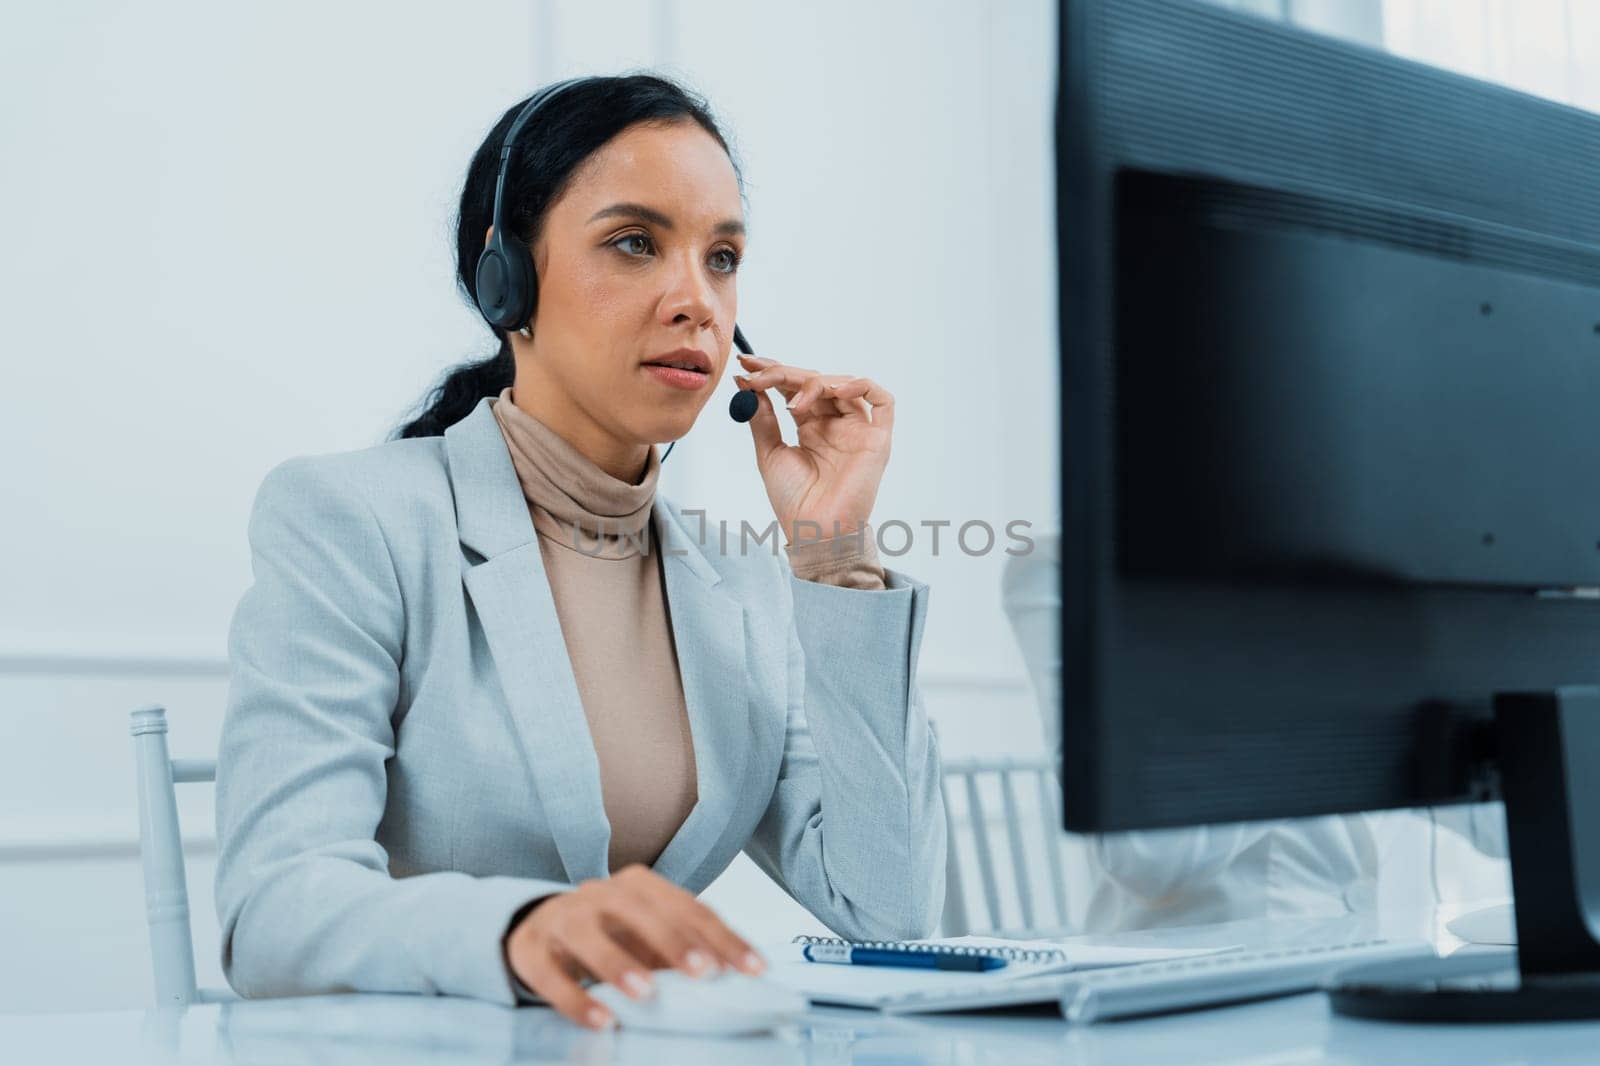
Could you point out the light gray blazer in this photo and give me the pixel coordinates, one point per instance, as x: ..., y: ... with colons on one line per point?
x: 405, y: 760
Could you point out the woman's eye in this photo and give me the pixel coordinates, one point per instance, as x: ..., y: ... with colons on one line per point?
x: 641, y: 238
x: 726, y: 260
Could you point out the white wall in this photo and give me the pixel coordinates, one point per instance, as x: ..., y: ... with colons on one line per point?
x: 1546, y: 47
x: 226, y: 241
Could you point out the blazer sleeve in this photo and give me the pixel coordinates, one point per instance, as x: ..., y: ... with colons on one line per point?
x: 855, y: 830
x: 303, y: 889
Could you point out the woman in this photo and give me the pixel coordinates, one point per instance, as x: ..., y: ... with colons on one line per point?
x: 498, y: 710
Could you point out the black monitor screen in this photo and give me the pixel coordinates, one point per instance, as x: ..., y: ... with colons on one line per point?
x: 1330, y: 332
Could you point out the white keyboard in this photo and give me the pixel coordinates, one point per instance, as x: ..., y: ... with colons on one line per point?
x: 1179, y: 984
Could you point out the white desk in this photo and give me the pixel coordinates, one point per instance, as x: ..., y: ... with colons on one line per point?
x: 398, y: 1030
x: 401, y: 1030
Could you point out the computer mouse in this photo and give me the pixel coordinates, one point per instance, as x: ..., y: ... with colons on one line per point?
x: 725, y: 1004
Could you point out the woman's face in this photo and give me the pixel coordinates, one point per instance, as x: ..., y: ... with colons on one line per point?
x: 635, y: 262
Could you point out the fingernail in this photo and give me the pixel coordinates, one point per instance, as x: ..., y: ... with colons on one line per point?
x: 790, y: 405
x: 637, y: 985
x: 600, y: 1018
x: 696, y: 961
x: 752, y: 963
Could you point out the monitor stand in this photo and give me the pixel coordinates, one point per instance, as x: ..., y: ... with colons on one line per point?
x: 1547, y: 747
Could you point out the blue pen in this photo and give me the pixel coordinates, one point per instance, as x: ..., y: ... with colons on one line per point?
x: 923, y: 960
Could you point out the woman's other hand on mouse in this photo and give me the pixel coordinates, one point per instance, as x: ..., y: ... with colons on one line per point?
x: 618, y: 929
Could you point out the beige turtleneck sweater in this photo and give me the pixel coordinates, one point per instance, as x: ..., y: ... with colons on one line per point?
x: 599, y: 550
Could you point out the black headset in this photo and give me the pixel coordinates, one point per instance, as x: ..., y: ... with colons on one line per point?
x: 508, y: 288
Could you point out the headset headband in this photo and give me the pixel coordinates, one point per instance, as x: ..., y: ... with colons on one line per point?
x: 523, y: 118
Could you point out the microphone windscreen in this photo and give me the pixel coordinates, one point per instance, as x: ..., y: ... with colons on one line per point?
x: 744, y: 405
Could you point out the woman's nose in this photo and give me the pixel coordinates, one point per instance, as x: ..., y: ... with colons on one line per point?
x: 688, y: 296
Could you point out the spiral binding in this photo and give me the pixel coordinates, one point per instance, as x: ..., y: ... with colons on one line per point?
x: 1009, y: 954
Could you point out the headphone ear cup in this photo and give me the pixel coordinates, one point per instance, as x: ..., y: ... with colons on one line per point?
x: 505, y: 283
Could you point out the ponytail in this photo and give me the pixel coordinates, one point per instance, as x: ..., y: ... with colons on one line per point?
x: 459, y: 392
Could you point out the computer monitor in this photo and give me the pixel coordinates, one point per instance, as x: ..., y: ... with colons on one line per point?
x: 1330, y: 424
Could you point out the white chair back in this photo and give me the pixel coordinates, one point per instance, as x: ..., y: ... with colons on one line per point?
x: 1030, y: 811
x: 166, y: 891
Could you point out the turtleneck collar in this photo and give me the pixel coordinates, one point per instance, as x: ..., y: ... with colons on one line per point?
x: 572, y: 500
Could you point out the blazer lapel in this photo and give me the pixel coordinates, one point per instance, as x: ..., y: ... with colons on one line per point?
x: 511, y: 594
x: 708, y: 628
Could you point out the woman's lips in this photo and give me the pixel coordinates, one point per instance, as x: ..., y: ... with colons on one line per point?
x: 676, y: 378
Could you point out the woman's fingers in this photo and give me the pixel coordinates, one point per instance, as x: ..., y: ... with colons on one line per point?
x: 636, y: 946
x: 678, y: 946
x: 607, y: 960
x: 729, y: 946
x: 803, y: 388
x: 882, y: 409
x: 852, y: 406
x: 832, y: 403
x: 800, y: 387
x: 617, y: 930
x: 711, y: 943
x: 725, y: 946
x: 816, y: 388
x: 639, y: 908
x: 771, y: 374
x: 764, y: 424
x: 555, y: 984
x: 692, y: 952
x: 788, y: 380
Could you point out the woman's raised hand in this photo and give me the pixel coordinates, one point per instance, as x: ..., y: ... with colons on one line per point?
x: 831, y: 475
x: 618, y: 929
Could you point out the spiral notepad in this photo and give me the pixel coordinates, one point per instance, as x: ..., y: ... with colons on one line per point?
x: 1051, y: 956
x: 1028, y: 977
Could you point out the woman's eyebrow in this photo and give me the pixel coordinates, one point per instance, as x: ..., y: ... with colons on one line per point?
x: 726, y: 228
